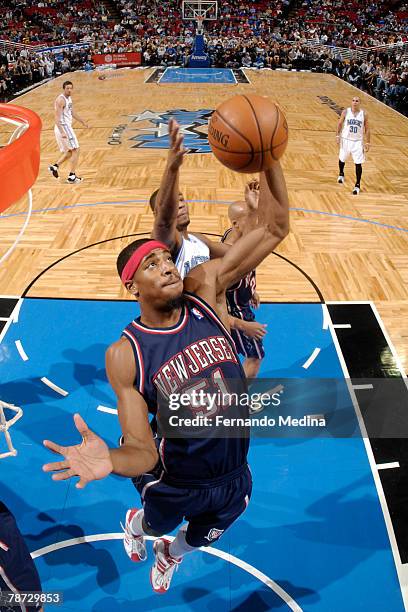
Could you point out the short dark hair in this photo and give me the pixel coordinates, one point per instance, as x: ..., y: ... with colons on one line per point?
x: 127, y: 253
x: 153, y: 198
x: 65, y: 83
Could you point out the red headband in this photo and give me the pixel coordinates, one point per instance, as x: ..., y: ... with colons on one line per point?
x: 136, y: 258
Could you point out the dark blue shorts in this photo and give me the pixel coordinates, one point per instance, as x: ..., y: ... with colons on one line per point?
x: 209, y: 511
x: 248, y: 347
x: 17, y: 569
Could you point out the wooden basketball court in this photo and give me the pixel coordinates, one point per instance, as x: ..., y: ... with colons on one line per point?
x: 334, y: 499
x: 343, y: 243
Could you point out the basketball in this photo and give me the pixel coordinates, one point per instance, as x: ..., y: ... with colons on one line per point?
x: 247, y: 133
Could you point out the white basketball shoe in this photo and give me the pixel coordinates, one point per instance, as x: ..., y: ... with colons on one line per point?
x: 163, y: 566
x: 135, y: 546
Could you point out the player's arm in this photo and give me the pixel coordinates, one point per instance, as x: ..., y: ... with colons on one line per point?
x: 59, y: 107
x: 138, y: 453
x: 78, y: 118
x: 340, y: 124
x: 211, y: 279
x: 167, y: 200
x: 367, y: 132
x: 219, y: 249
x: 92, y: 459
x: 252, y: 202
x: 252, y: 329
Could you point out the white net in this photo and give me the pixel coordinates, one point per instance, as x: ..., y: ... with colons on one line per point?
x: 10, y: 130
x: 5, y: 425
x: 200, y: 25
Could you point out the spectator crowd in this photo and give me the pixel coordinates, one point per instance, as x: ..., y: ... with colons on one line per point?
x: 284, y: 34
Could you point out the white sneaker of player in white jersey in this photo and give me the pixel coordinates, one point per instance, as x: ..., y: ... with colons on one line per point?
x: 356, y: 190
x: 53, y: 169
x: 135, y: 546
x: 163, y: 566
x: 74, y: 179
x: 340, y: 178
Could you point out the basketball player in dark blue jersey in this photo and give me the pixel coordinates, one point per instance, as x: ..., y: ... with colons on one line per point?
x: 242, y: 297
x: 180, y: 338
x: 17, y: 570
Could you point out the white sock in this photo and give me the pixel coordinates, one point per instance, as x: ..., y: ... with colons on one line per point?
x: 179, y: 547
x: 136, y: 524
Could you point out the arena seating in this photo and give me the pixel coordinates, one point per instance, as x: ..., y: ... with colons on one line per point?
x: 308, y: 35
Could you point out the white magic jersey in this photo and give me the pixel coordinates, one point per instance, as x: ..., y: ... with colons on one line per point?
x: 353, y: 126
x: 192, y: 252
x: 66, y: 113
x: 70, y: 141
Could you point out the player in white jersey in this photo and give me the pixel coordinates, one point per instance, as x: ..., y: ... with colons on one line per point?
x: 353, y: 135
x: 171, y: 216
x: 65, y: 135
x: 189, y: 250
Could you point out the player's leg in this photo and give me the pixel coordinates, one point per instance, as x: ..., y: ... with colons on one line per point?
x: 72, y: 177
x: 63, y: 158
x: 160, y: 514
x: 73, y: 146
x: 54, y: 168
x: 17, y: 569
x: 168, y: 556
x: 63, y: 146
x: 227, y: 502
x: 340, y: 178
x: 135, y: 530
x: 359, y: 173
x: 164, y: 507
x: 358, y: 158
x: 343, y: 155
x: 222, y: 506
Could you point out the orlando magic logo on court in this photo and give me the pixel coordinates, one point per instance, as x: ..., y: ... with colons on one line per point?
x: 156, y: 135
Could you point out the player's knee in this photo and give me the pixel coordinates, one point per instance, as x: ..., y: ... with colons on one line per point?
x: 151, y: 532
x: 195, y: 542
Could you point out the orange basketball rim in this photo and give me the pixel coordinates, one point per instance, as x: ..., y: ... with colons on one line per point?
x: 20, y: 157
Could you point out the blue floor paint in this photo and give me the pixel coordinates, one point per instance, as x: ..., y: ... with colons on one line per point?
x: 198, y: 75
x: 314, y: 524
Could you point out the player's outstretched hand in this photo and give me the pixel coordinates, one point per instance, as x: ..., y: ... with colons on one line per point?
x: 177, y: 150
x: 89, y: 460
x: 252, y: 194
x: 255, y: 330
